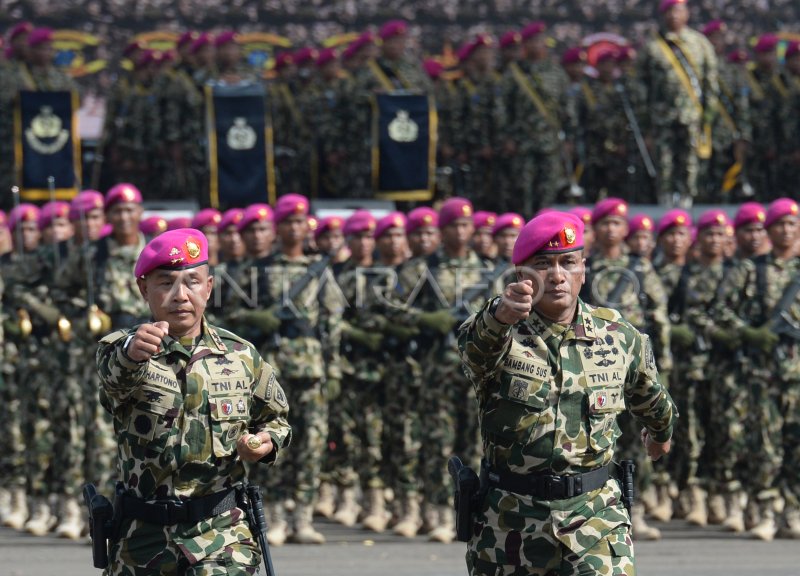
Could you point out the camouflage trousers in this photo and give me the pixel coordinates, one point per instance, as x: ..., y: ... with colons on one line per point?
x: 215, y: 547
x: 299, y: 469
x: 677, y: 162
x: 41, y: 373
x: 726, y: 447
x: 340, y: 459
x: 790, y: 475
x: 539, y: 178
x: 100, y: 442
x: 691, y: 397
x: 403, y: 430
x: 516, y: 535
x: 764, y: 436
x: 12, y: 445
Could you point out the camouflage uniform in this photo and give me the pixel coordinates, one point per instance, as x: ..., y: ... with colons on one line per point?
x: 177, y: 418
x: 790, y: 156
x: 538, y: 162
x: 767, y: 92
x: 676, y: 118
x: 748, y: 298
x: 549, y: 397
x: 290, y: 135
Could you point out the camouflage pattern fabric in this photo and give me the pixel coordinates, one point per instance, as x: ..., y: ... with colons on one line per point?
x: 549, y: 397
x: 177, y: 418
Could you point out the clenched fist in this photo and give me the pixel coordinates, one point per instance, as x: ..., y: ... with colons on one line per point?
x: 516, y: 303
x: 261, y: 449
x: 146, y: 341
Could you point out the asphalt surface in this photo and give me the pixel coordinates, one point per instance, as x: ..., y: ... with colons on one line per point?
x: 684, y: 551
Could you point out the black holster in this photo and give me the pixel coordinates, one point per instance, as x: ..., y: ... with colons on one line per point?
x: 469, y: 494
x: 101, y: 524
x: 627, y: 470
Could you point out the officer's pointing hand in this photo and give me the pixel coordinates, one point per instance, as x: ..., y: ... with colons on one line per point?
x: 516, y: 302
x: 147, y: 341
x: 263, y: 446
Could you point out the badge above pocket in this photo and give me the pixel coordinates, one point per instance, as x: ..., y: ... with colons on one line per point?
x: 606, y: 400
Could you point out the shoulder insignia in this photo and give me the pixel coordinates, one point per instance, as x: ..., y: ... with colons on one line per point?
x: 606, y: 314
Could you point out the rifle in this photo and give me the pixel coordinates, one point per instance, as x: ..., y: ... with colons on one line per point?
x: 253, y: 504
x: 637, y: 131
x: 781, y: 322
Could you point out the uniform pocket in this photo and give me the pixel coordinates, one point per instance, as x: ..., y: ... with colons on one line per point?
x: 604, y: 406
x: 515, y: 410
x: 229, y: 417
x: 148, y: 424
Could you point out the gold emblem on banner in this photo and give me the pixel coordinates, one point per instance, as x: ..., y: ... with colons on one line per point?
x: 47, y: 134
x: 403, y: 128
x: 241, y: 135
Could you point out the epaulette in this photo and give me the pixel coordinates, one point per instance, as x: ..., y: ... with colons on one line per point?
x: 227, y: 335
x: 607, y: 314
x: 114, y: 336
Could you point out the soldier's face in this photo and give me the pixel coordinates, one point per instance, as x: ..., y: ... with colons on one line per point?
x: 505, y: 240
x: 482, y: 241
x: 178, y: 297
x: 392, y: 243
x: 676, y: 17
x: 641, y: 243
x: 124, y: 218
x: 31, y: 236
x: 783, y: 233
x: 361, y: 245
x: 424, y: 240
x: 751, y: 238
x: 766, y: 60
x: 483, y: 58
x: 458, y: 233
x: 712, y: 241
x: 42, y: 54
x: 230, y: 244
x: 258, y: 238
x: 293, y: 229
x: 59, y: 230
x: 557, y: 281
x: 93, y: 222
x: 675, y: 241
x: 330, y: 242
x: 536, y: 47
x: 394, y: 47
x: 5, y: 240
x: 610, y: 231
x: 717, y: 40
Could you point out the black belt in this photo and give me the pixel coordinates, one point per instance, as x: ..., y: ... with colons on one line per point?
x: 169, y: 512
x: 549, y: 486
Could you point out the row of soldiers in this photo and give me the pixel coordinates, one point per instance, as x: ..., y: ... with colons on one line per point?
x: 683, y: 118
x: 359, y: 316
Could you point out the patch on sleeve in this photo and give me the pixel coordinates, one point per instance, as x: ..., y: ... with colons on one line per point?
x: 649, y: 357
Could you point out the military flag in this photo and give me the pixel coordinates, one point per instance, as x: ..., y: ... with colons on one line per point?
x: 404, y: 127
x: 47, y: 144
x: 239, y: 146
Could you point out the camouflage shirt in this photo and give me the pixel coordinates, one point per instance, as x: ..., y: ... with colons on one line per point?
x: 549, y: 397
x: 178, y: 416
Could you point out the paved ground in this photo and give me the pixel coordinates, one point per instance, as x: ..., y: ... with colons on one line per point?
x: 684, y: 551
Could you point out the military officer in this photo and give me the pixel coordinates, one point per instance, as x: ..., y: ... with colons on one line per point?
x: 178, y: 386
x: 551, y: 374
x: 640, y: 239
x: 505, y: 233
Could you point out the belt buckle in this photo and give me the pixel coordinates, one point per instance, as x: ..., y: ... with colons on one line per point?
x: 552, y: 487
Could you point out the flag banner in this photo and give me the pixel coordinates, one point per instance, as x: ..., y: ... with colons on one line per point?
x: 403, y: 146
x: 47, y: 144
x: 239, y: 146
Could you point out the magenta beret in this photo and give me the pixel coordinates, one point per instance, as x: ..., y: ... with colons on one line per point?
x: 186, y: 38
x: 711, y: 218
x: 714, y: 26
x: 358, y: 222
x: 329, y: 224
x: 780, y: 208
x: 52, y: 210
x: 289, y: 205
x: 283, y: 59
x: 533, y: 29
x: 640, y: 222
x: 106, y: 230
x: 231, y: 217
x: 40, y: 36
x: 610, y: 207
x: 132, y: 47
x: 327, y: 55
x: 667, y: 4
x: 766, y: 43
x: 432, y: 68
x: 393, y: 28
x: 422, y: 216
x: 391, y: 220
x: 583, y: 213
x: 792, y: 49
x: 206, y: 217
x: 173, y: 250
x: 573, y: 55
x: 480, y: 41
x: 84, y: 202
x: 454, y: 208
x: 204, y: 39
x: 507, y: 220
x: 123, y: 192
x: 225, y: 38
x: 674, y: 217
x: 738, y: 56
x: 153, y: 226
x: 255, y: 213
x: 179, y: 222
x: 306, y: 55
x: 23, y: 213
x: 510, y: 38
x: 352, y: 49
x: 551, y: 233
x: 484, y: 219
x: 748, y: 213
x: 19, y: 30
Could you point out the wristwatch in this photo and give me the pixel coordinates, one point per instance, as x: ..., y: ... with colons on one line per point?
x: 125, y: 346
